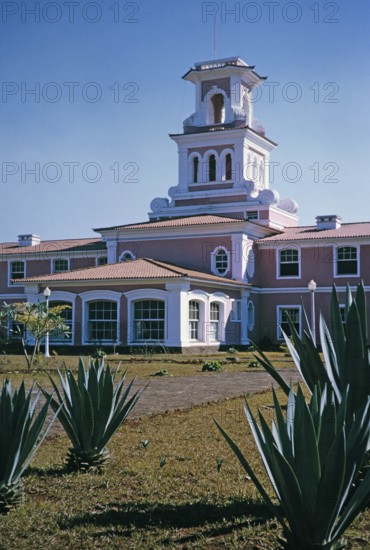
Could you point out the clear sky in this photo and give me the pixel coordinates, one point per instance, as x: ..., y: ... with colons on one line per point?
x: 90, y: 147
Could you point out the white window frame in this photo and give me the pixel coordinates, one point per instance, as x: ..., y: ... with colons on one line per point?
x: 61, y: 342
x: 210, y: 111
x: 285, y: 249
x: 152, y: 341
x: 130, y: 253
x: 223, y: 155
x: 205, y: 167
x: 221, y: 300
x: 279, y: 309
x: 213, y: 261
x: 191, y: 158
x: 98, y: 295
x: 62, y: 296
x: 202, y: 298
x: 336, y: 248
x: 56, y: 260
x: 194, y: 320
x: 10, y: 263
x: 145, y: 294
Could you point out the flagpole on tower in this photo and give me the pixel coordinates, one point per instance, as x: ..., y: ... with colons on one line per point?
x: 214, y: 37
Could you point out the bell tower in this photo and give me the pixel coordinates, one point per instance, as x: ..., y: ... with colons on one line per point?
x: 224, y: 154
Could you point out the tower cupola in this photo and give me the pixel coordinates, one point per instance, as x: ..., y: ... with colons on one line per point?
x: 224, y: 154
x: 223, y: 94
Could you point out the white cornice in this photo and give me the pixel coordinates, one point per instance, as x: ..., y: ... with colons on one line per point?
x: 223, y: 137
x: 211, y: 230
x: 303, y: 290
x: 314, y: 243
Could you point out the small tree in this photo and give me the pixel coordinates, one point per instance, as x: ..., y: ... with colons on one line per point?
x: 27, y: 320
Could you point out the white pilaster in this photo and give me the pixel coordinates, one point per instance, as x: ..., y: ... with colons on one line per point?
x: 183, y: 168
x: 240, y: 247
x: 177, y: 314
x: 112, y: 251
x: 244, y: 337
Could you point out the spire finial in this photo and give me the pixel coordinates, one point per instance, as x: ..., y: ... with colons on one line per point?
x: 214, y: 37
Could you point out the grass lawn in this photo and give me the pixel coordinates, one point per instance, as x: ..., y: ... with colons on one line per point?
x: 143, y: 366
x: 172, y: 483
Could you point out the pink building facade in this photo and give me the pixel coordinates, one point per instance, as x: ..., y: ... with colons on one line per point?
x: 222, y: 260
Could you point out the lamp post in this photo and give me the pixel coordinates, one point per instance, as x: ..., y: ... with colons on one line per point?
x: 47, y: 293
x: 312, y: 287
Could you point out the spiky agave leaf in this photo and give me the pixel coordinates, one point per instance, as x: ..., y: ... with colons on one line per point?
x: 20, y: 438
x: 312, y: 460
x: 92, y: 410
x: 11, y: 495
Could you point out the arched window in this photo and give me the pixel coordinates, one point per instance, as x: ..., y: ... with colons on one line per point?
x: 214, y: 318
x: 228, y: 167
x: 195, y: 169
x: 126, y: 255
x: 102, y: 321
x: 220, y: 261
x: 149, y: 321
x: 218, y: 104
x: 66, y: 315
x: 212, y: 168
x: 194, y: 317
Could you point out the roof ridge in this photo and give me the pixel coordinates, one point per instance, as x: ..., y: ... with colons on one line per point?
x: 167, y: 265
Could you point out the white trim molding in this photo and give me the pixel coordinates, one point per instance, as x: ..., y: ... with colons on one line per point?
x: 10, y: 262
x: 133, y: 296
x: 280, y: 308
x: 126, y: 253
x: 335, y: 263
x: 99, y: 295
x: 214, y: 269
x: 286, y: 248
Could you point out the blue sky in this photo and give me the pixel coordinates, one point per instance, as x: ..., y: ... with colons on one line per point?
x: 125, y: 95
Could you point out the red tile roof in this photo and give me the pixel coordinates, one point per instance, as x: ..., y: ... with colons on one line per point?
x: 65, y: 245
x: 346, y: 231
x: 175, y: 222
x: 143, y: 268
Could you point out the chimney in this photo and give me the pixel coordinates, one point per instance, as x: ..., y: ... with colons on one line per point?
x: 332, y: 221
x: 28, y: 240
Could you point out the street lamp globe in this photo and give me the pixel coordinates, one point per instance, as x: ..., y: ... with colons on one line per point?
x: 47, y: 292
x: 312, y: 286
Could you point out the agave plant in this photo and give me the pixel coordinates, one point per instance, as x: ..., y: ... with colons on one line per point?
x: 20, y: 438
x: 312, y: 459
x: 346, y: 356
x: 92, y: 408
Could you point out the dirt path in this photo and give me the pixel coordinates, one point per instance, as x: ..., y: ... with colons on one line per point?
x: 169, y: 394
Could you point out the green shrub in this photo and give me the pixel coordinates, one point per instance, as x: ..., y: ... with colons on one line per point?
x: 312, y: 458
x: 162, y: 372
x: 212, y: 366
x: 20, y: 438
x: 346, y: 358
x: 99, y: 353
x: 91, y: 411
